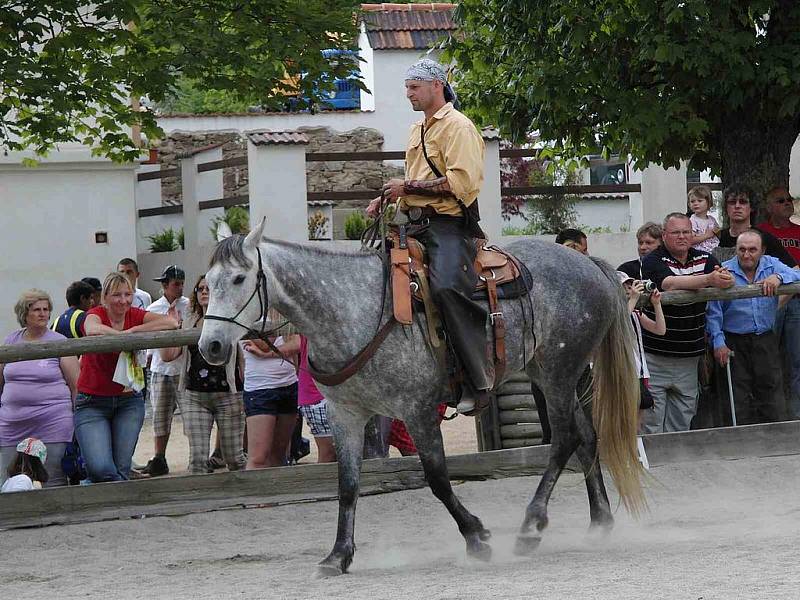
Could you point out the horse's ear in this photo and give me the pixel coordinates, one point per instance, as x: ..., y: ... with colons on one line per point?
x: 223, y: 231
x: 254, y: 237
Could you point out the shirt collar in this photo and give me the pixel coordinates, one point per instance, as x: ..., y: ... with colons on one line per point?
x: 734, y: 265
x: 442, y: 112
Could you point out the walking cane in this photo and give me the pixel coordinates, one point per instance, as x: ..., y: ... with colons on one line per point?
x: 730, y: 387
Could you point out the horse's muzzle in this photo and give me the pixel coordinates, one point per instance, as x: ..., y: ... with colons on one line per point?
x: 215, y: 352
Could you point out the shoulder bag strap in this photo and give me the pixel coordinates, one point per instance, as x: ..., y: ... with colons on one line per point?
x: 436, y: 171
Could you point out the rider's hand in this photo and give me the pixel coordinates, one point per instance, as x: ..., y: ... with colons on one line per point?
x: 374, y: 207
x: 393, y: 189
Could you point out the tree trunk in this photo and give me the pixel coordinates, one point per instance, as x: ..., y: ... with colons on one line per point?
x: 756, y: 154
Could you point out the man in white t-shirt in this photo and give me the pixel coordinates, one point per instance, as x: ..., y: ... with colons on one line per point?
x: 129, y: 268
x: 164, y: 376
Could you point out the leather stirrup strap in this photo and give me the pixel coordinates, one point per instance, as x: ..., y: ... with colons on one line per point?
x: 431, y: 313
x: 499, y: 325
x: 355, y: 364
x: 401, y: 286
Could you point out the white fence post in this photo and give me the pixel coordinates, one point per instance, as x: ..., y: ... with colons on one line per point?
x: 663, y: 192
x: 276, y: 162
x: 490, y: 196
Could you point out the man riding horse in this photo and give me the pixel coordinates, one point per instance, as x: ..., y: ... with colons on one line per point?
x: 444, y: 173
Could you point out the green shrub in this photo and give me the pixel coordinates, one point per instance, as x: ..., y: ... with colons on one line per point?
x: 355, y: 224
x: 237, y: 218
x: 166, y: 241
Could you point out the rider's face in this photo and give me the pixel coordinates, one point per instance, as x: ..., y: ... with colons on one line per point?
x: 421, y: 94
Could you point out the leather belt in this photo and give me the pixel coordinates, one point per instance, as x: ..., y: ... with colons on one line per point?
x: 416, y: 214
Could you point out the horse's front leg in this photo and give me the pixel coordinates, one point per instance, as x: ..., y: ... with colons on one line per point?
x: 427, y: 437
x: 348, y: 435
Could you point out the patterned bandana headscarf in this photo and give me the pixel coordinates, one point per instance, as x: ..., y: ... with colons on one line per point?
x: 33, y: 447
x: 426, y: 69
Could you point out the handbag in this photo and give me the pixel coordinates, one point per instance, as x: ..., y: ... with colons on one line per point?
x: 73, y: 464
x: 645, y: 397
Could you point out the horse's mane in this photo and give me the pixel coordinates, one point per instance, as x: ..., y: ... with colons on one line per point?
x: 231, y: 250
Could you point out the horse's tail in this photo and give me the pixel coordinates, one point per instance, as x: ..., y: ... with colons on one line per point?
x: 616, y: 401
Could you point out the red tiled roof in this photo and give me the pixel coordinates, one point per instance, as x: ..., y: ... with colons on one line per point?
x: 262, y: 138
x: 407, y: 26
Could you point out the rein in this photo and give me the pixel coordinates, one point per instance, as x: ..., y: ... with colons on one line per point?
x: 329, y: 379
x: 260, y: 291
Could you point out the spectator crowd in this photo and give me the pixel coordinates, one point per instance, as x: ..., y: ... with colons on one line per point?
x: 54, y: 410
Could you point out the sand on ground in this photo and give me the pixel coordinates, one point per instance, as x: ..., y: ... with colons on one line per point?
x: 716, y: 530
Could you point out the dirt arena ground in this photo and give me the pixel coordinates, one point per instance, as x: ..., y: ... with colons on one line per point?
x: 716, y: 530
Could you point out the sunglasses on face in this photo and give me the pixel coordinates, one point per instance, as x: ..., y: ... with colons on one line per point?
x: 201, y: 288
x: 782, y: 200
x: 740, y: 201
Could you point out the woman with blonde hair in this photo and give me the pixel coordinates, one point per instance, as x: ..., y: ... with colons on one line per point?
x: 209, y: 394
x: 109, y: 415
x: 37, y: 395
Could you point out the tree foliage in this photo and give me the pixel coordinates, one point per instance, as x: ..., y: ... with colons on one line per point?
x: 69, y: 68
x: 716, y: 82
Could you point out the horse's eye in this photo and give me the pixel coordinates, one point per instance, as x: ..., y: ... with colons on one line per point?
x: 238, y: 280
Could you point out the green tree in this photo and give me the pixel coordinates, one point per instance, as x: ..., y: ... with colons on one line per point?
x: 715, y: 82
x: 68, y: 69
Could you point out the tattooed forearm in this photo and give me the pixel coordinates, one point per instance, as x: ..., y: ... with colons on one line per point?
x: 427, y: 187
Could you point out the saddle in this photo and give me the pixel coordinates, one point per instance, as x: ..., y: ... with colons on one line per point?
x: 500, y: 275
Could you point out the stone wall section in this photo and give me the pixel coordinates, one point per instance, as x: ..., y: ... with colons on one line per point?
x: 334, y: 176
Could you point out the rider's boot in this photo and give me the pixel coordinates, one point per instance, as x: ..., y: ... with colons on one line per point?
x: 472, y: 401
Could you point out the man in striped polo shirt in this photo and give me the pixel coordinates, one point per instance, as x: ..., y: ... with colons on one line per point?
x: 673, y: 358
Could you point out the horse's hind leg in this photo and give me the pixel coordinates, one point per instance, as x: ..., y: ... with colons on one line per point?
x: 348, y: 434
x: 428, y: 439
x: 599, y: 508
x: 561, y: 403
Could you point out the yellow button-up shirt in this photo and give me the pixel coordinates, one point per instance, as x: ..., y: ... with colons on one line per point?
x: 456, y: 147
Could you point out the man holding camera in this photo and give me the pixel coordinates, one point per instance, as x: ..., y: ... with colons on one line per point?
x: 673, y: 358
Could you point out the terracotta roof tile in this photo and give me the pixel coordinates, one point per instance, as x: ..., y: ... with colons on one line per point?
x: 262, y: 138
x: 407, y: 26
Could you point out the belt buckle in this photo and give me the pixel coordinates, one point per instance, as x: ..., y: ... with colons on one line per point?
x: 415, y: 213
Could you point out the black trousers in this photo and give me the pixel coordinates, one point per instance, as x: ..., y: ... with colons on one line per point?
x: 451, y: 255
x: 756, y: 377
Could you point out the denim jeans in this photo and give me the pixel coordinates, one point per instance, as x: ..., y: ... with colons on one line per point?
x: 107, y: 428
x: 787, y: 328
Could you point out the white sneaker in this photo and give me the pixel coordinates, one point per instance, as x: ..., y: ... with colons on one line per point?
x: 465, y: 405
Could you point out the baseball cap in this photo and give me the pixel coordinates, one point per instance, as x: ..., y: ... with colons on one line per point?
x: 171, y: 272
x: 624, y: 277
x: 33, y: 447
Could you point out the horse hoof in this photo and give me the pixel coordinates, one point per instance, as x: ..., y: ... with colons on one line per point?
x: 526, y: 545
x: 480, y: 551
x: 325, y: 570
x: 485, y: 534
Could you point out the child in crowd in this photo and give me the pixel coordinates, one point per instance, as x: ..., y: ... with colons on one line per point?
x: 314, y: 408
x: 705, y: 228
x: 27, y: 469
x: 634, y: 289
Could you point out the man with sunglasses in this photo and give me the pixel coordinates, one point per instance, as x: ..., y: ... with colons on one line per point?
x: 740, y: 207
x: 780, y: 208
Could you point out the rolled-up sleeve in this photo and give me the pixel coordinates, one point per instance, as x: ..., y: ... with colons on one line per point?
x: 464, y: 159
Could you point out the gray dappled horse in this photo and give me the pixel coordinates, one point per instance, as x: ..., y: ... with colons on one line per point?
x: 334, y: 299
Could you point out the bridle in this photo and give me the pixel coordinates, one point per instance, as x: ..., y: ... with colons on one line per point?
x: 260, y: 292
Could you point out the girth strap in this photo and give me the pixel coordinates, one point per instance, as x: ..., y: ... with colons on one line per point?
x: 355, y: 364
x: 499, y: 325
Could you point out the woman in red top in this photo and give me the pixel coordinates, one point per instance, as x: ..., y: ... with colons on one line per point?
x: 109, y: 416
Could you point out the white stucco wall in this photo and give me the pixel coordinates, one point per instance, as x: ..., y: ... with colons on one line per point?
x: 51, y: 215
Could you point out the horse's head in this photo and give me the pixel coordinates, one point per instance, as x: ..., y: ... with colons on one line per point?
x: 237, y: 295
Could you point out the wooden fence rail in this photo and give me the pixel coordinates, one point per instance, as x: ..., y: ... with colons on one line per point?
x: 166, y: 339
